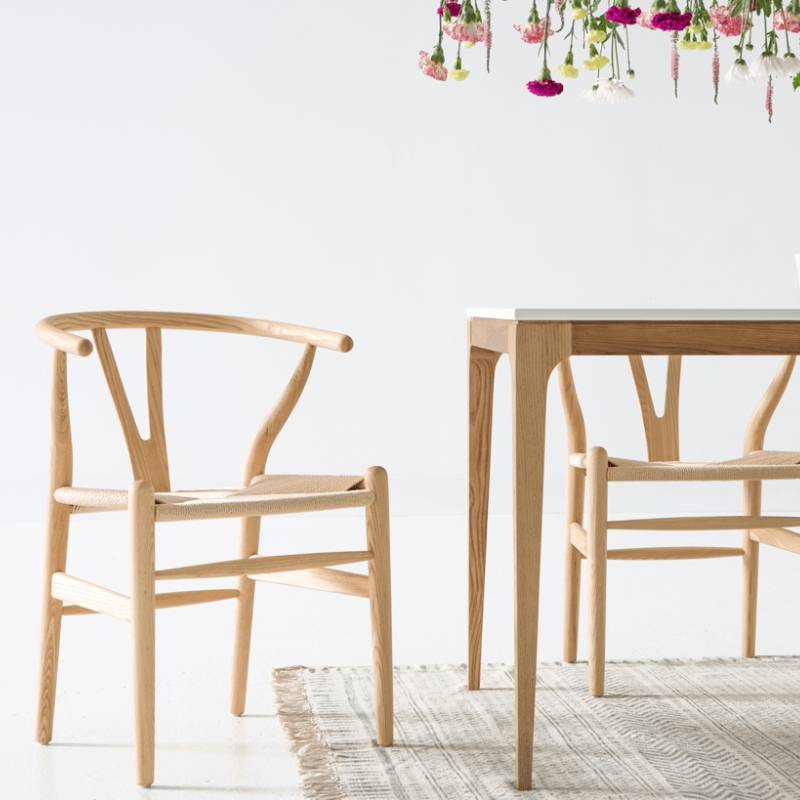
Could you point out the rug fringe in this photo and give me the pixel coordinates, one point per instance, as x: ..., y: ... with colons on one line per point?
x: 314, y: 757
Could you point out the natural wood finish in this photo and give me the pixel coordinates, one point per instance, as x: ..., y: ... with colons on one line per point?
x: 576, y: 442
x: 534, y: 351
x: 380, y: 603
x: 90, y: 596
x: 55, y: 554
x: 57, y: 330
x: 248, y: 548
x: 148, y: 456
x: 151, y: 500
x: 261, y: 506
x: 661, y: 431
x: 143, y: 628
x: 628, y: 338
x: 579, y: 539
x: 597, y: 547
x: 778, y: 537
x: 323, y: 579
x: 482, y: 364
x: 170, y: 600
x: 671, y: 553
x: 276, y: 419
x: 729, y: 523
x: 757, y: 427
x: 754, y: 441
x: 256, y: 565
x: 684, y: 338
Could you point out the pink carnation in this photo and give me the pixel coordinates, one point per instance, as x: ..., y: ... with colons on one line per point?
x: 646, y: 19
x: 790, y: 21
x: 474, y: 32
x: 431, y: 68
x: 545, y: 88
x: 727, y: 24
x: 533, y: 32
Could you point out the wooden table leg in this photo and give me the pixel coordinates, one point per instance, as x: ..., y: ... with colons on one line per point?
x: 534, y: 349
x: 482, y: 365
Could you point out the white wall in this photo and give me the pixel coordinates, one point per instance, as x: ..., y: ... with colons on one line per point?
x: 289, y: 161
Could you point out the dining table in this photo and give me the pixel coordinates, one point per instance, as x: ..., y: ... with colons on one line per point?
x: 536, y: 340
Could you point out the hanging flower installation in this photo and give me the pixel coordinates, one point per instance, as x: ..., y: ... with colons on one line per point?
x: 760, y: 32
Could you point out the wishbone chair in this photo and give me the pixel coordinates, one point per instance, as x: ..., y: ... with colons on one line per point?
x: 590, y: 471
x: 150, y: 500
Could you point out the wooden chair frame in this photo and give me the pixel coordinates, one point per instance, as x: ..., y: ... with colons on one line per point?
x: 587, y: 523
x: 149, y: 501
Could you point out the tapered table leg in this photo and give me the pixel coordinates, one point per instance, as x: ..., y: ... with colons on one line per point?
x: 534, y: 349
x: 482, y: 365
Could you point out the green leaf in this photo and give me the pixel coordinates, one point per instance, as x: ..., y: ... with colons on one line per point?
x: 796, y: 81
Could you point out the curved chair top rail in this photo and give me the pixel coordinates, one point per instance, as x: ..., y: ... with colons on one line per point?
x: 57, y: 330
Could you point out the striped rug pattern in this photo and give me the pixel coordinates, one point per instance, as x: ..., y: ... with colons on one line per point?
x: 706, y: 730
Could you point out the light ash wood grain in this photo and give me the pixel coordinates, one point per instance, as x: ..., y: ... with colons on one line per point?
x: 380, y: 602
x: 151, y: 500
x: 143, y: 627
x: 482, y: 364
x: 323, y: 579
x: 55, y: 550
x: 534, y: 352
x: 624, y: 335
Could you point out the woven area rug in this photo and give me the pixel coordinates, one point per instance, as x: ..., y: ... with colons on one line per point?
x: 726, y: 729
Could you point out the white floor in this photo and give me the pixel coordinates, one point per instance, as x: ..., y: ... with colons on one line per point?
x: 655, y: 610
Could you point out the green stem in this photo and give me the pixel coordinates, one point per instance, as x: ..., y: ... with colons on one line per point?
x: 546, y: 33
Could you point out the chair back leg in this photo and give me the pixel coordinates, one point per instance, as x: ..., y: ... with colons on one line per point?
x: 248, y: 546
x: 380, y: 602
x: 55, y: 561
x: 596, y: 529
x: 141, y: 511
x: 572, y: 565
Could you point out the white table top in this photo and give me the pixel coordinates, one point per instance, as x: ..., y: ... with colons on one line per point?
x: 640, y: 314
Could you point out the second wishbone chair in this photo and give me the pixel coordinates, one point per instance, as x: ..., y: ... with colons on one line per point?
x: 590, y: 471
x: 151, y: 499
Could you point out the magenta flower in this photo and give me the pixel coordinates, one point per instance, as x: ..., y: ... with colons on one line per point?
x: 454, y: 9
x: 433, y: 70
x: 545, y: 88
x: 623, y: 15
x: 533, y: 32
x: 722, y: 21
x: 671, y: 20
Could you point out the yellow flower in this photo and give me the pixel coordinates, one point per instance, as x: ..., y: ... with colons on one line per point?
x: 578, y: 13
x: 468, y: 44
x: 459, y: 74
x: 687, y: 44
x: 595, y: 63
x: 567, y: 71
x: 694, y: 29
x: 595, y: 36
x: 703, y: 45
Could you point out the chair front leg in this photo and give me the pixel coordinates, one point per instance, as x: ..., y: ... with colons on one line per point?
x: 380, y: 602
x: 141, y: 509
x: 248, y: 546
x: 752, y: 508
x: 55, y: 561
x: 596, y: 529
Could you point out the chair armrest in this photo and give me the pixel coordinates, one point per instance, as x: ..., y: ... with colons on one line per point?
x: 57, y: 330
